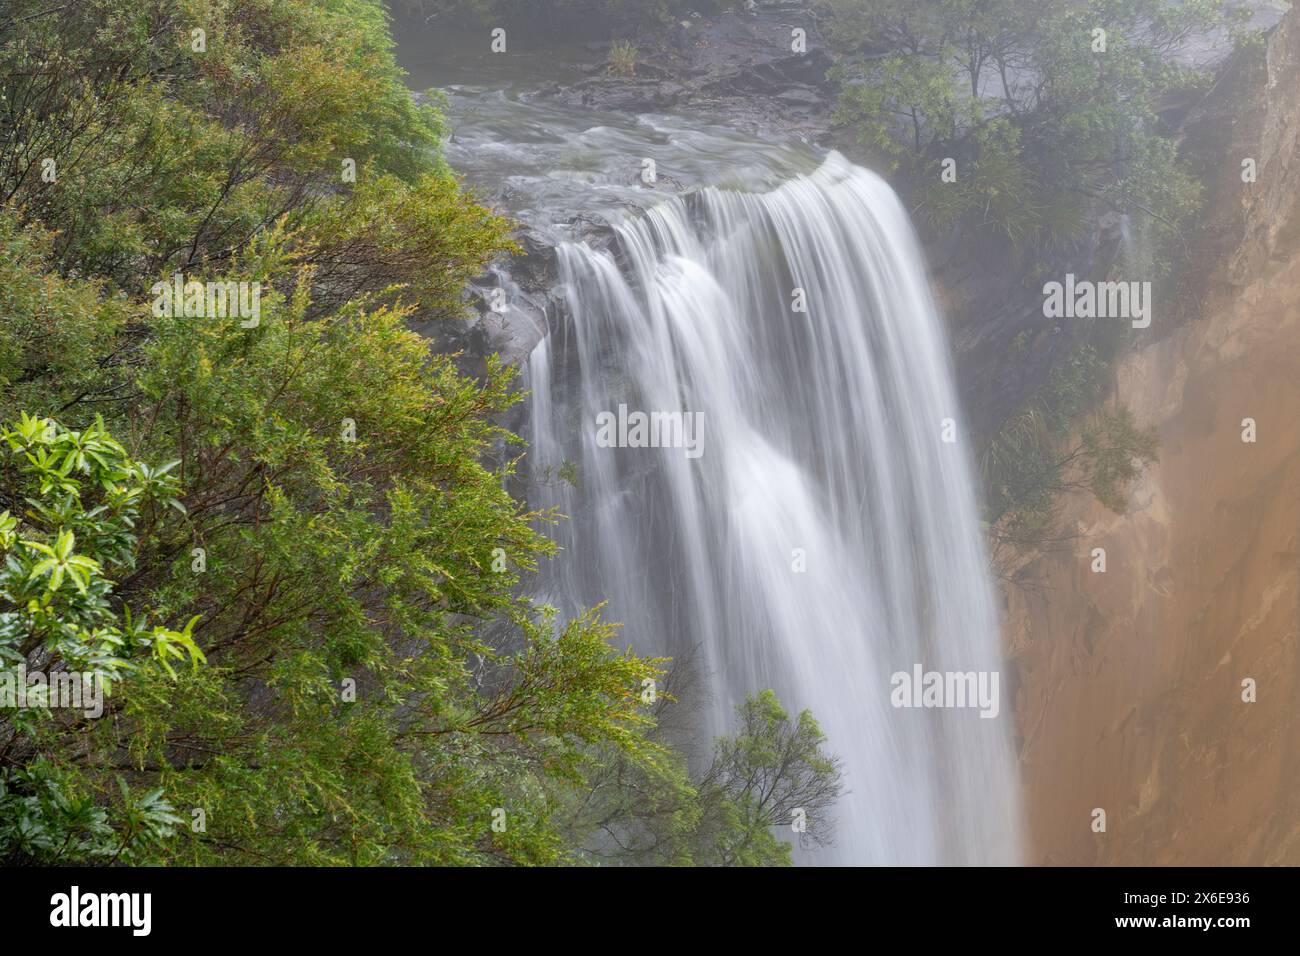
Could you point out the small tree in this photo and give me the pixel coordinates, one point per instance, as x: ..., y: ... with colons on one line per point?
x: 770, y: 773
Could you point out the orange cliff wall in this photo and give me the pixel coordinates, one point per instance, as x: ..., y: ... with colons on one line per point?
x: 1128, y: 691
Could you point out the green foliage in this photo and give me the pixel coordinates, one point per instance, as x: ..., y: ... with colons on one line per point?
x: 622, y: 59
x: 1001, y: 191
x: 759, y: 779
x: 78, y: 508
x: 332, y: 521
x: 55, y: 330
x: 898, y: 104
x: 327, y: 560
x: 167, y: 159
x: 1040, y: 124
x: 1113, y: 447
x: 369, y: 559
x: 45, y: 818
x: 769, y: 775
x: 82, y: 504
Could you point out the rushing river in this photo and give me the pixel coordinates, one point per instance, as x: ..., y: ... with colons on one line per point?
x: 820, y: 535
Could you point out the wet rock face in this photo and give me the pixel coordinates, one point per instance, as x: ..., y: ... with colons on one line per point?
x: 533, y: 303
x: 744, y: 63
x: 611, y: 93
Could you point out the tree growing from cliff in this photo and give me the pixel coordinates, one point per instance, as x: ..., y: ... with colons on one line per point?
x: 1039, y: 458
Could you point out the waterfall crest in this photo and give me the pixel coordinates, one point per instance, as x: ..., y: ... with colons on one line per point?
x: 822, y: 440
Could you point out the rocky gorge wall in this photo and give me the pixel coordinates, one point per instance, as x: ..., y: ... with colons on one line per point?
x: 1128, y: 684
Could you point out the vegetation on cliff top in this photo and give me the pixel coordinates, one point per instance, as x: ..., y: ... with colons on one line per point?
x: 1037, y: 115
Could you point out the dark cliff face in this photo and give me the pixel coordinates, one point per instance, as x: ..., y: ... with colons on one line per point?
x: 1004, y: 348
x: 1253, y: 113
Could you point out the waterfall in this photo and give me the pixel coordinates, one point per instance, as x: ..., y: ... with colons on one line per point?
x: 827, y: 537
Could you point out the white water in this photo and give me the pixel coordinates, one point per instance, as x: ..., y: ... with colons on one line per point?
x: 822, y: 432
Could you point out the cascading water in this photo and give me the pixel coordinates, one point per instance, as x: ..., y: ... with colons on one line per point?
x: 827, y: 537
